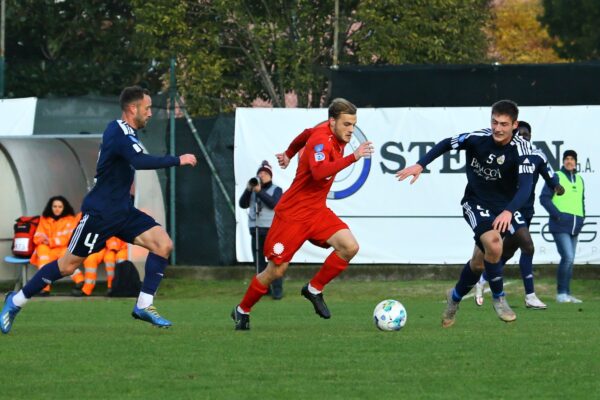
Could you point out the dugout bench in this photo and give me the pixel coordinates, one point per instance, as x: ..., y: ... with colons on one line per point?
x: 21, y: 279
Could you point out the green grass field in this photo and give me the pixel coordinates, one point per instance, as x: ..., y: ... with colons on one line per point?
x: 92, y: 349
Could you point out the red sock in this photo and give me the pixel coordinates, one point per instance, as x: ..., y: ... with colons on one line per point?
x: 332, y: 267
x: 255, y: 291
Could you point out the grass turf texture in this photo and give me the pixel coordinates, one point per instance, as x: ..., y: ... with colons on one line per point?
x: 93, y: 349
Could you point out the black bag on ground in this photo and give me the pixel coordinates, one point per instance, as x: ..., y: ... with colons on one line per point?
x: 126, y: 282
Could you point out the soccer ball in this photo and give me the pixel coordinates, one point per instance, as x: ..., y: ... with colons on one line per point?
x: 390, y: 315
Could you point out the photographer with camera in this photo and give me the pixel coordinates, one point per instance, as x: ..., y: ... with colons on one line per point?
x: 260, y: 198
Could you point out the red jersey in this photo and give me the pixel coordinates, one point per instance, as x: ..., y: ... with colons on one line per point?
x: 322, y: 158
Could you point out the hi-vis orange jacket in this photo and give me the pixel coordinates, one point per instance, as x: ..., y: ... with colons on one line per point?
x: 56, y: 232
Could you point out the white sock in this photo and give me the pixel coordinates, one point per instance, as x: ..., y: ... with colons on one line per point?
x: 144, y: 300
x: 19, y: 299
x: 312, y: 290
x: 239, y: 309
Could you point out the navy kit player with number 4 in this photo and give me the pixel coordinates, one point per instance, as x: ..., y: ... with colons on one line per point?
x: 108, y: 211
x: 499, y: 182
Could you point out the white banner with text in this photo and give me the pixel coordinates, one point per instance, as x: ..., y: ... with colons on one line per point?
x: 395, y: 222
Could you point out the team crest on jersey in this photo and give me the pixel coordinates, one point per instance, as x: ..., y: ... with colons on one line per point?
x: 500, y: 160
x: 278, y: 248
x: 319, y: 148
x: 319, y: 156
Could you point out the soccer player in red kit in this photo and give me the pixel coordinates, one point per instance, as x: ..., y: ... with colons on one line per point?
x: 302, y: 212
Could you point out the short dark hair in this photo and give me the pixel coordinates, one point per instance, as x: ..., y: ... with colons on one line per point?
x: 341, y: 106
x: 67, y: 207
x: 523, y: 124
x: 570, y: 153
x: 132, y: 94
x: 506, y: 107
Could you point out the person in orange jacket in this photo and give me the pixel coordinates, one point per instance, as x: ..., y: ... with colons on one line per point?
x: 115, y: 251
x: 52, y: 236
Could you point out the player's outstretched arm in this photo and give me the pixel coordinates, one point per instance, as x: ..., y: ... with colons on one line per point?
x: 437, y: 150
x: 414, y: 171
x: 187, y: 159
x: 321, y: 167
x: 283, y: 159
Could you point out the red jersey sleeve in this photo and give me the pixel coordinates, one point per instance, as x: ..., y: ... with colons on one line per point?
x: 298, y: 143
x: 322, y: 160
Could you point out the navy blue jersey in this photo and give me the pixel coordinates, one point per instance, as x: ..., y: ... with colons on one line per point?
x: 540, y: 163
x: 120, y: 155
x: 498, y: 177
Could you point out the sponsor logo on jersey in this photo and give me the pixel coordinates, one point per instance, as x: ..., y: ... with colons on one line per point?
x: 319, y: 157
x: 487, y: 173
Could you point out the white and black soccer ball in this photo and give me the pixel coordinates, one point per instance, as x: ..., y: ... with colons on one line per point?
x: 390, y: 315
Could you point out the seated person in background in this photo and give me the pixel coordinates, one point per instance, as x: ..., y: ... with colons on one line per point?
x: 52, y: 236
x: 115, y: 251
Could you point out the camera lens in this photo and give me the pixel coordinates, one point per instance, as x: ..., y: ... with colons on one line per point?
x: 253, y: 181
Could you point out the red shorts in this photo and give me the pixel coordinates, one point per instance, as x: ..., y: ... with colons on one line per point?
x: 286, y: 237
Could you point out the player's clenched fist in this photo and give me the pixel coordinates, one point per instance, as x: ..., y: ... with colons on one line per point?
x: 283, y: 160
x: 187, y: 159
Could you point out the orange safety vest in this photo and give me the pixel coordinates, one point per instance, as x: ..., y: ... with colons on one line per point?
x: 57, y: 232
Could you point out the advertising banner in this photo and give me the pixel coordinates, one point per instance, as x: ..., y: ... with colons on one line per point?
x: 396, y: 222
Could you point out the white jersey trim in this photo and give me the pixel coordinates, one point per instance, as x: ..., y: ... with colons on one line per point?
x: 127, y: 130
x: 523, y: 146
x: 482, y: 132
x: 77, y: 233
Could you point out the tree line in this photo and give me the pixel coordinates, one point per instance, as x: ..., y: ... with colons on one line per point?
x: 232, y: 53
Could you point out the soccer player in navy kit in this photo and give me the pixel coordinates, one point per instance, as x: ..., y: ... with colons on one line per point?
x: 108, y: 211
x: 499, y: 182
x: 522, y: 238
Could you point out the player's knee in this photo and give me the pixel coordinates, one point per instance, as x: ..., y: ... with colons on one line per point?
x: 67, y: 267
x: 493, y: 246
x: 277, y: 273
x: 527, y: 247
x: 169, y: 245
x: 477, y: 265
x: 163, y: 247
x: 350, y: 250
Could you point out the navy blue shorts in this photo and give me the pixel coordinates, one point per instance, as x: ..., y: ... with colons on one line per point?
x: 519, y: 221
x: 94, y: 230
x: 481, y: 220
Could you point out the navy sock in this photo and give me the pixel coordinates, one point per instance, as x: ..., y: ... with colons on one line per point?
x: 465, y: 283
x: 45, y: 276
x: 526, y: 265
x: 155, y: 268
x: 494, y: 274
